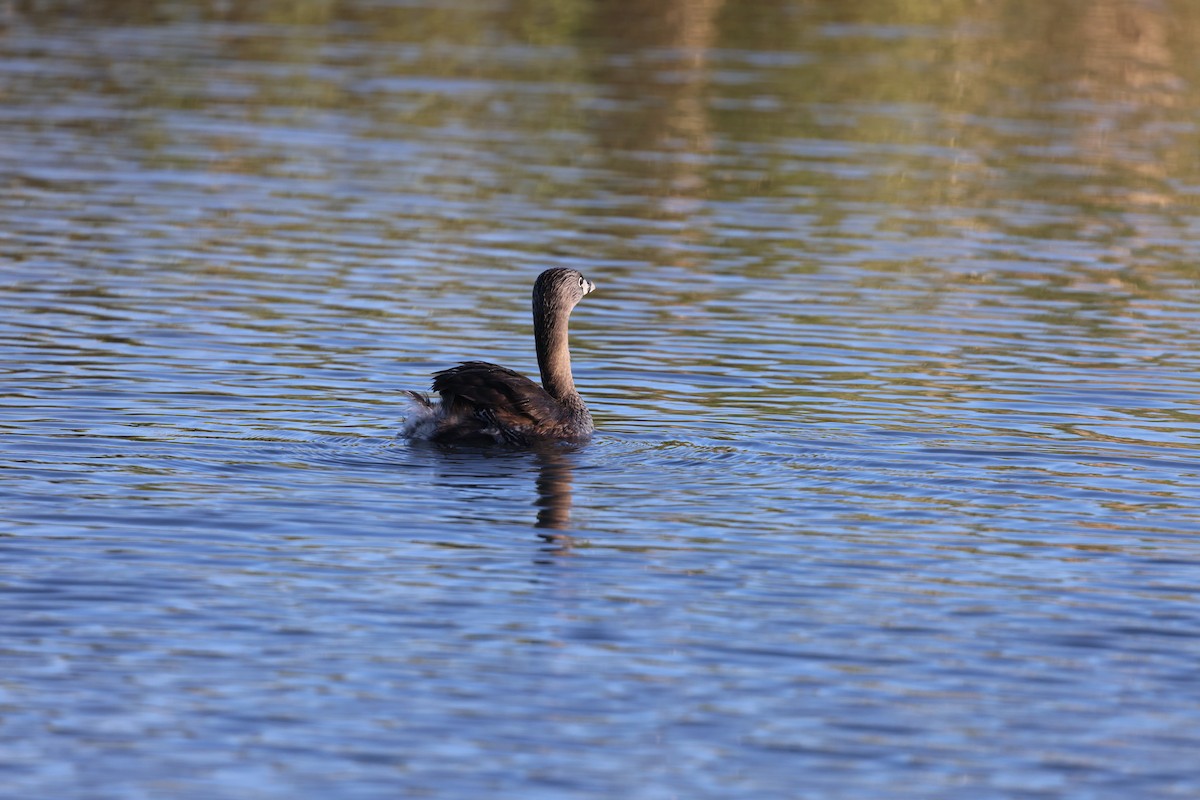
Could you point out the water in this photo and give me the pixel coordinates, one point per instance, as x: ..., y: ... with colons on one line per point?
x: 894, y: 358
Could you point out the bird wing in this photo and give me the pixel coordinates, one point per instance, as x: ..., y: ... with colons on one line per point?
x: 498, y: 395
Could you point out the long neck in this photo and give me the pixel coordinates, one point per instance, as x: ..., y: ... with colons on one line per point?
x: 553, y: 352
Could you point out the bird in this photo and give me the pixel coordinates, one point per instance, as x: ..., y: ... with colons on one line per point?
x: 486, y: 404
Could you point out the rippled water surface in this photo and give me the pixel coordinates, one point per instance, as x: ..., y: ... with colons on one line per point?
x: 894, y: 356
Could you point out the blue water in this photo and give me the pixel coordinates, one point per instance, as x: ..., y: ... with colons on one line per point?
x: 893, y: 356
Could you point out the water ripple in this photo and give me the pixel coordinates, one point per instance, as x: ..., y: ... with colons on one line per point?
x: 893, y: 360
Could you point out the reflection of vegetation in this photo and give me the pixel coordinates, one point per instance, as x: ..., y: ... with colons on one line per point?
x: 544, y: 22
x: 780, y: 135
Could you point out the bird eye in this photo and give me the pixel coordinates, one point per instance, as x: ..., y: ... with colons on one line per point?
x: 580, y: 281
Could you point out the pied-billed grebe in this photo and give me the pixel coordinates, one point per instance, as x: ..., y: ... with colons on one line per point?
x: 486, y: 404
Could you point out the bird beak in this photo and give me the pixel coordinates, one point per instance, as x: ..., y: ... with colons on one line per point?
x: 591, y: 287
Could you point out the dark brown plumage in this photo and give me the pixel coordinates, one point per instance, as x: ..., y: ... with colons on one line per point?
x: 483, y: 403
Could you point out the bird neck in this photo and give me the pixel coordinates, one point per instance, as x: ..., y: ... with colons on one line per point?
x: 554, y: 353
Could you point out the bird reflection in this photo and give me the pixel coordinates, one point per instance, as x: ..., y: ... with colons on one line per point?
x: 555, y: 471
x: 491, y: 475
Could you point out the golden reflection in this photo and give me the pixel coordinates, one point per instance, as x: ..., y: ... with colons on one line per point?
x: 1125, y: 59
x: 915, y: 119
x: 1125, y: 53
x: 654, y: 63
